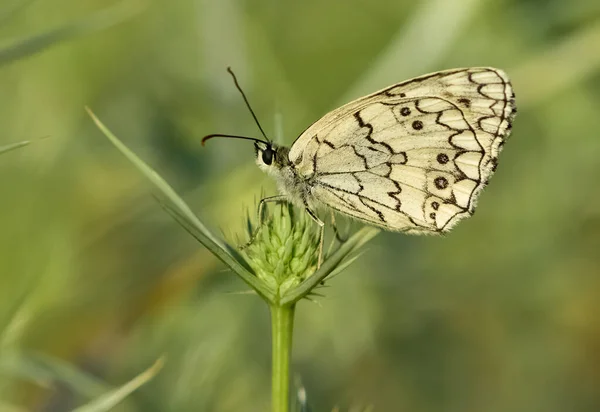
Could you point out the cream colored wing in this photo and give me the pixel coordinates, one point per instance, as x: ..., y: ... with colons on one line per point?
x: 413, y: 157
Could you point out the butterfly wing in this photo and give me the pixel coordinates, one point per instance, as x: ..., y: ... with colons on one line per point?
x: 412, y: 157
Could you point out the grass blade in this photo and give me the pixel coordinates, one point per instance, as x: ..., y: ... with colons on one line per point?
x: 114, y: 397
x: 353, y: 243
x: 96, y: 22
x: 13, y: 146
x: 44, y: 371
x: 238, y: 265
x: 181, y: 212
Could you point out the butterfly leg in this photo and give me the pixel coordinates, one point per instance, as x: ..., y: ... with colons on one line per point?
x: 338, y: 236
x: 321, y: 234
x: 261, y: 205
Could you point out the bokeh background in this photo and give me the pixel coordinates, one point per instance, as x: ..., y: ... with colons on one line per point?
x: 97, y: 282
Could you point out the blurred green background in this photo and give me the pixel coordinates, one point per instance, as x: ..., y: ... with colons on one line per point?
x: 96, y: 281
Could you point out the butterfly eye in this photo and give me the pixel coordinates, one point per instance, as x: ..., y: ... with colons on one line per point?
x: 267, y: 156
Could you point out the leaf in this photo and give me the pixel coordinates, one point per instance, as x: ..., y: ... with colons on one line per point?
x: 238, y: 265
x: 182, y: 213
x: 13, y: 146
x: 114, y: 397
x: 96, y: 22
x: 330, y: 265
x: 44, y: 371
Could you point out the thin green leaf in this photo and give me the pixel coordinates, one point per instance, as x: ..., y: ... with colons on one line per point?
x: 79, y: 381
x: 18, y: 367
x: 45, y: 371
x: 182, y: 213
x: 242, y: 292
x: 114, y: 397
x: 96, y: 22
x: 157, y: 180
x: 13, y: 146
x: 202, y: 234
x: 343, y: 266
x: 353, y: 243
x: 238, y: 265
x: 15, y: 320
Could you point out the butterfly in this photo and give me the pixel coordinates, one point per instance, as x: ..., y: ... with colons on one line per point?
x: 413, y: 157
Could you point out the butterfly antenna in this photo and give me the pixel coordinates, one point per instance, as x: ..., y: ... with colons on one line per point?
x: 237, y: 85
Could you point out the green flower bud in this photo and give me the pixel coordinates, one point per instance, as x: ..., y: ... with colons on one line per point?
x: 285, y: 251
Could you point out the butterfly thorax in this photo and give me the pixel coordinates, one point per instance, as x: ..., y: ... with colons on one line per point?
x: 274, y: 160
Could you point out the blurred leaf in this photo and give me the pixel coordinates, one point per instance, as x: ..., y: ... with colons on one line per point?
x: 114, y: 397
x: 46, y: 371
x: 17, y: 318
x: 10, y: 11
x: 559, y: 66
x: 17, y: 366
x: 96, y: 22
x: 450, y: 17
x: 13, y: 146
x: 57, y: 370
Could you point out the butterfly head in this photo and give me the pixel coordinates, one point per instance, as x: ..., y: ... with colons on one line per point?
x: 269, y: 156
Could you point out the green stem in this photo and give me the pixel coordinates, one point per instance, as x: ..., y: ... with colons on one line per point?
x: 282, y: 326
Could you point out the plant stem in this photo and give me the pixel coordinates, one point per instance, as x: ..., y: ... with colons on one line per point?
x: 282, y: 326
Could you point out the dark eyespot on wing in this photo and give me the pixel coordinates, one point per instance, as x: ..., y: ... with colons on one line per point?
x: 465, y: 102
x: 441, y: 182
